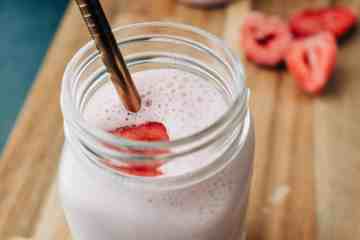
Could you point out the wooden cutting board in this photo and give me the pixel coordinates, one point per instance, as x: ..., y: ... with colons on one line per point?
x: 307, y: 171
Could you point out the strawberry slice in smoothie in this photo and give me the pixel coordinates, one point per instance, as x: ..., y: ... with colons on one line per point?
x: 149, y: 132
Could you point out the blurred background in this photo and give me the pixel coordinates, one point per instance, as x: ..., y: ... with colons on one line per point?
x: 27, y: 30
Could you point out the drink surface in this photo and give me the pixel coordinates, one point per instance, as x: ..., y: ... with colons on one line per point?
x: 102, y: 205
x: 183, y: 102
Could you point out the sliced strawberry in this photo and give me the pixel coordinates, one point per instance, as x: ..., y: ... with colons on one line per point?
x: 265, y: 39
x: 337, y: 20
x: 311, y: 61
x: 150, y: 132
x: 139, y: 170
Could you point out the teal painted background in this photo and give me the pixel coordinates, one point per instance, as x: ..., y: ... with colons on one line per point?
x: 27, y: 28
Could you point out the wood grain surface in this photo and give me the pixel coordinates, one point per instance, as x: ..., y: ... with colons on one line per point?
x: 307, y: 168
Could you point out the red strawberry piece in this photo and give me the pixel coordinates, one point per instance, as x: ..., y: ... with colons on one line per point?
x: 139, y: 170
x: 337, y: 20
x: 150, y: 132
x: 311, y: 61
x: 265, y: 39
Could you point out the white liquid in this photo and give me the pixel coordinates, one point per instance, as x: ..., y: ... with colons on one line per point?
x: 100, y: 205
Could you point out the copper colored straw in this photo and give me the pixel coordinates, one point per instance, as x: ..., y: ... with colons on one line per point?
x: 105, y: 42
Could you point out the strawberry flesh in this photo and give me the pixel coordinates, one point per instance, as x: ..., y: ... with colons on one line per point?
x: 265, y: 39
x: 139, y: 170
x: 149, y: 132
x: 337, y: 20
x: 311, y: 61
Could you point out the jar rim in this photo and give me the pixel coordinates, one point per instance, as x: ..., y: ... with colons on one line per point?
x: 239, y: 104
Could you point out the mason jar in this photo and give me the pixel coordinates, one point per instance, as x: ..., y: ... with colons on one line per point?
x: 206, y: 200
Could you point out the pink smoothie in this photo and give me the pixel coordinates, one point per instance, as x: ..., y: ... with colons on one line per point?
x: 101, y: 205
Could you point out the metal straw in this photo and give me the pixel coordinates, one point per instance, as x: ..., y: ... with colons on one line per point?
x: 100, y: 30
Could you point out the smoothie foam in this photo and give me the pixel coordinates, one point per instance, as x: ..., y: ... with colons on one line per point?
x: 183, y: 102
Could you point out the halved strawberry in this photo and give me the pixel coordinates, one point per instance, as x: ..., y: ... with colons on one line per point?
x: 337, y: 20
x: 150, y: 132
x: 265, y: 39
x: 311, y: 61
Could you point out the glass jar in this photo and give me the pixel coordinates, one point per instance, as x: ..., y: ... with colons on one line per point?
x: 208, y: 202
